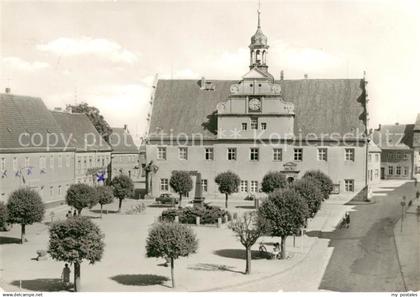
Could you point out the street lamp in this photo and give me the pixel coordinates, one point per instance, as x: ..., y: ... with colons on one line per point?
x: 402, y: 211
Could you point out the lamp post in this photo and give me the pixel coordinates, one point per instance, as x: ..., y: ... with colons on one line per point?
x: 402, y: 212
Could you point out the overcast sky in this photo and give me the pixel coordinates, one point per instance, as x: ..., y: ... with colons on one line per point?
x: 107, y: 53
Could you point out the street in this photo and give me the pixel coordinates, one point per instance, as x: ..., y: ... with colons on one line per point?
x: 360, y: 258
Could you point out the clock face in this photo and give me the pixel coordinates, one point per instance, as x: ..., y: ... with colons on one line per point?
x: 255, y: 104
x: 276, y: 88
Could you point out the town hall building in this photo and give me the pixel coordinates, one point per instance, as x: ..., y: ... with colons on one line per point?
x: 255, y: 125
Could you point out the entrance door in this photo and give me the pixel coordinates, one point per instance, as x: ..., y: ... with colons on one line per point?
x: 382, y: 173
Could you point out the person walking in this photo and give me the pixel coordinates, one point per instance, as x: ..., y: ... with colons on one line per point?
x: 347, y: 219
x: 75, y: 213
x: 65, y: 275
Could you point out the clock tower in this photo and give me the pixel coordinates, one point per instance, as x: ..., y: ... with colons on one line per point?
x: 255, y: 103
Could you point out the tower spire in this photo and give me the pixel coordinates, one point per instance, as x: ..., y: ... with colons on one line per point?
x: 259, y: 14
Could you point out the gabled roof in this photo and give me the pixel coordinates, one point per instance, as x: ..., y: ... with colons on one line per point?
x: 321, y: 106
x: 122, y: 142
x: 416, y: 136
x: 80, y: 131
x: 28, y: 117
x: 394, y: 137
x: 417, y: 124
x: 257, y: 74
x: 373, y: 148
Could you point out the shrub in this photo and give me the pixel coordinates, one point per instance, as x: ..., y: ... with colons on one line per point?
x: 208, y: 214
x: 104, y: 195
x: 272, y: 181
x: 181, y: 182
x: 136, y: 209
x: 325, y: 182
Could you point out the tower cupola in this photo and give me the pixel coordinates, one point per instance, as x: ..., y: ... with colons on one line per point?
x: 258, y: 47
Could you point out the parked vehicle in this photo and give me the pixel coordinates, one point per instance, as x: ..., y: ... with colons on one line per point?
x: 166, y: 199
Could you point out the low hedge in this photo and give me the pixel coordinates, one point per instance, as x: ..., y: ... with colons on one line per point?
x: 187, y: 215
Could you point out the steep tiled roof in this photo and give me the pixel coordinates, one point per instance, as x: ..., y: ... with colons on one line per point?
x: 398, y: 137
x: 417, y: 124
x: 24, y: 114
x: 122, y: 142
x: 321, y: 106
x: 79, y: 129
x: 373, y: 148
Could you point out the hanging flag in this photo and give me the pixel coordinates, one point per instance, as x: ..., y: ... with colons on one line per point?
x: 100, y: 176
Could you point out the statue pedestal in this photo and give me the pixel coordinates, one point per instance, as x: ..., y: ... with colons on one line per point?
x: 198, y: 202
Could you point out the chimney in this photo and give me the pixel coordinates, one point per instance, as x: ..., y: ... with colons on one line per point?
x: 57, y: 109
x: 379, y: 127
x: 125, y: 127
x: 203, y: 83
x: 396, y: 124
x: 7, y: 90
x: 282, y: 75
x: 306, y: 76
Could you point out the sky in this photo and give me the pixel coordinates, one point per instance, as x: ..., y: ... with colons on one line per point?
x: 108, y: 53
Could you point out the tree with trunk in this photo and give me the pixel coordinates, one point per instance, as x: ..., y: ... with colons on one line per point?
x: 25, y: 207
x: 273, y: 180
x: 309, y: 189
x: 285, y: 213
x: 104, y: 195
x: 74, y: 240
x: 248, y: 228
x: 94, y: 115
x: 325, y: 182
x: 81, y: 196
x: 228, y: 183
x: 122, y: 187
x: 171, y: 241
x: 181, y: 182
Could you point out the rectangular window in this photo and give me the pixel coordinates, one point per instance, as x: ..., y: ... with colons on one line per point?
x: 59, y: 190
x: 161, y: 155
x: 52, y: 161
x: 370, y: 158
x: 204, y: 185
x: 209, y: 153
x: 349, y: 154
x: 405, y: 157
x: 298, y: 154
x: 376, y: 157
x: 3, y: 164
x: 263, y: 126
x: 164, y: 184
x: 183, y: 153
x: 254, y: 123
x: 51, y: 191
x: 231, y: 154
x: 398, y: 170
x: 244, y: 126
x: 405, y: 171
x: 67, y: 161
x: 42, y: 163
x: 254, y: 186
x: 103, y: 161
x: 254, y: 154
x: 322, y: 154
x: 349, y: 185
x: 60, y: 161
x: 376, y: 173
x: 15, y: 164
x: 91, y: 162
x: 27, y: 162
x: 277, y: 154
x: 391, y: 170
x: 244, y: 186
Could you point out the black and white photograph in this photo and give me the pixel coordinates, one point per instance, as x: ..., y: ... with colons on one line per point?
x: 209, y: 146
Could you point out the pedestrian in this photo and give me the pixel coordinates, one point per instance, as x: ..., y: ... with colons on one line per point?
x: 74, y: 213
x: 65, y: 275
x: 347, y: 219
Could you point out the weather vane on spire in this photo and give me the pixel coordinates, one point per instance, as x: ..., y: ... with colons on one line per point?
x: 259, y: 13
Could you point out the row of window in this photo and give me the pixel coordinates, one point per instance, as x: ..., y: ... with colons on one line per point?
x: 398, y: 170
x: 42, y: 162
x: 254, y: 154
x: 254, y: 125
x: 82, y: 162
x: 370, y: 158
x: 246, y: 186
